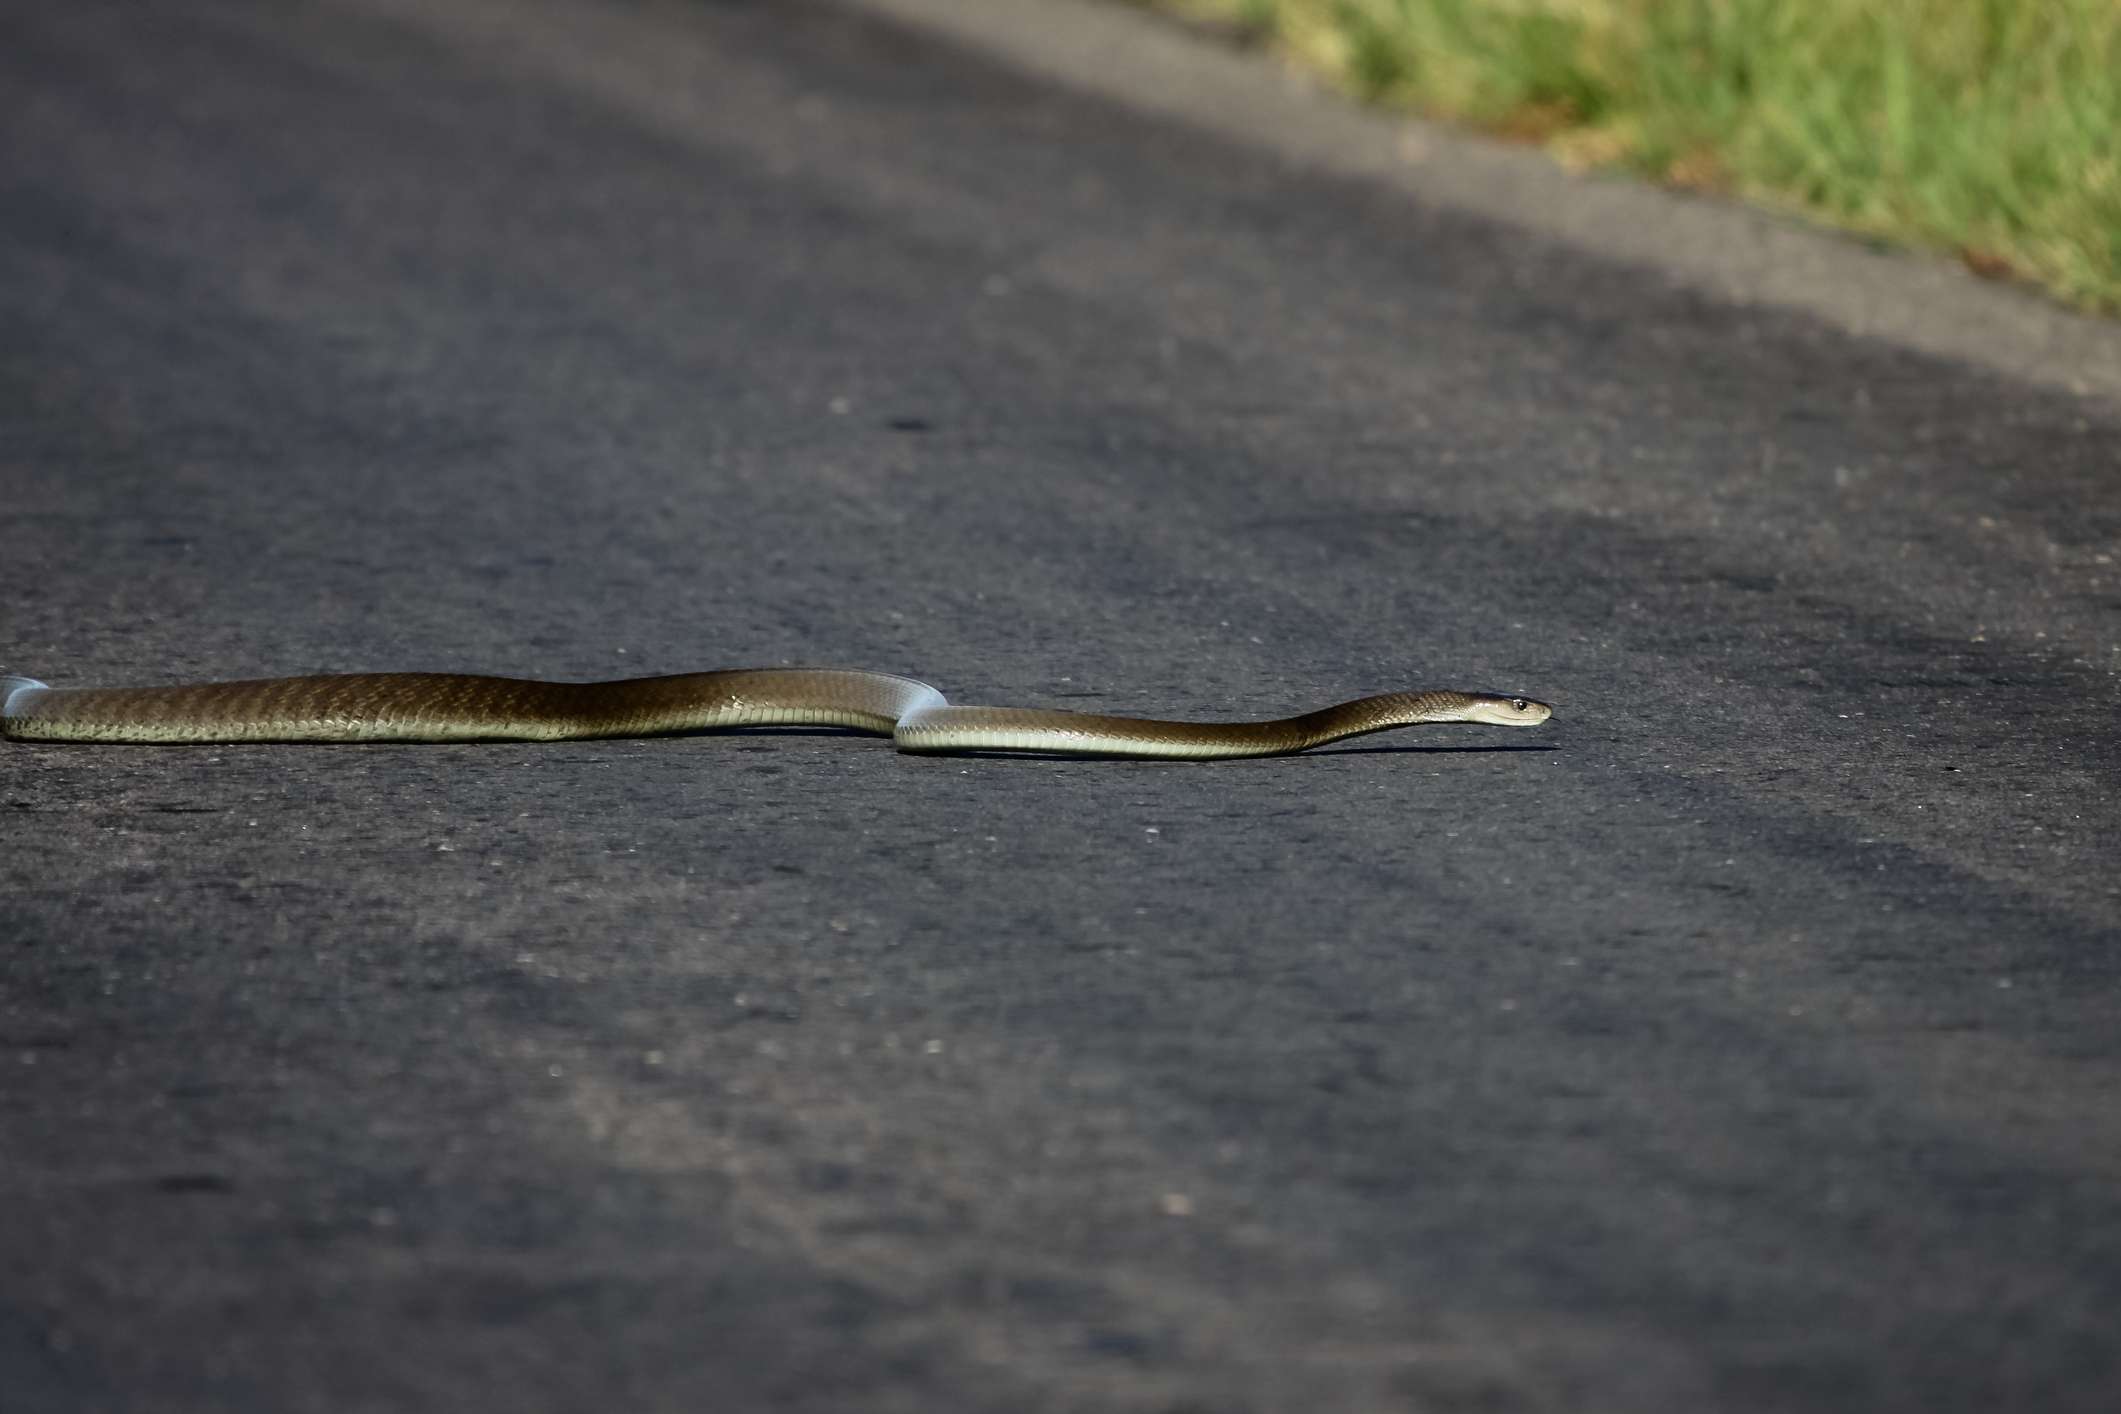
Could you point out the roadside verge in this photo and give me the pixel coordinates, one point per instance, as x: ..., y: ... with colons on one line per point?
x: 1745, y: 256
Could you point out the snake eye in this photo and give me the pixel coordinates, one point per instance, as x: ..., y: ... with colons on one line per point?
x: 1519, y: 703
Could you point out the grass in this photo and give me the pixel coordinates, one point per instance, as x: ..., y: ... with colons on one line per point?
x: 1990, y: 129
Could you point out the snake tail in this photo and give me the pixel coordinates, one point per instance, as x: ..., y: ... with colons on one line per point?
x: 17, y: 691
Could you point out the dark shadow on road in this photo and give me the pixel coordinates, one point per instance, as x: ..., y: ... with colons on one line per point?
x: 1226, y: 760
x: 1421, y: 750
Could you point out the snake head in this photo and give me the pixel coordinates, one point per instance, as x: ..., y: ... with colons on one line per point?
x: 1503, y: 711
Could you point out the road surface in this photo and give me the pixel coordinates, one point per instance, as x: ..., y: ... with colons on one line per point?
x: 1746, y: 1039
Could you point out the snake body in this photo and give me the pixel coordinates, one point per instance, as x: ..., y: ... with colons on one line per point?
x: 462, y: 707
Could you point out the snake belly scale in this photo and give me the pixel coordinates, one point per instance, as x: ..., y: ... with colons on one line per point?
x: 409, y: 707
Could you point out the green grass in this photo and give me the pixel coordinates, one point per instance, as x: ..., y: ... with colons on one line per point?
x: 1986, y: 128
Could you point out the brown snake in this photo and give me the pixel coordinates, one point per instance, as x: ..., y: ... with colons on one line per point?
x: 461, y: 707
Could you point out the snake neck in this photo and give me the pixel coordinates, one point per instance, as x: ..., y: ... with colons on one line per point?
x: 1381, y: 713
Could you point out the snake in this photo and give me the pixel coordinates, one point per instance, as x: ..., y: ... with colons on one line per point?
x: 445, y: 707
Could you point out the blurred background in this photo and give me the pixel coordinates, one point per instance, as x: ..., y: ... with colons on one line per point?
x: 1989, y: 129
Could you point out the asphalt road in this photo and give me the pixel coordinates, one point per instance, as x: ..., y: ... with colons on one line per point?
x: 1747, y: 1039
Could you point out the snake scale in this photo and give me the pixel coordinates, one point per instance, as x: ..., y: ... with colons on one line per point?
x: 462, y: 707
